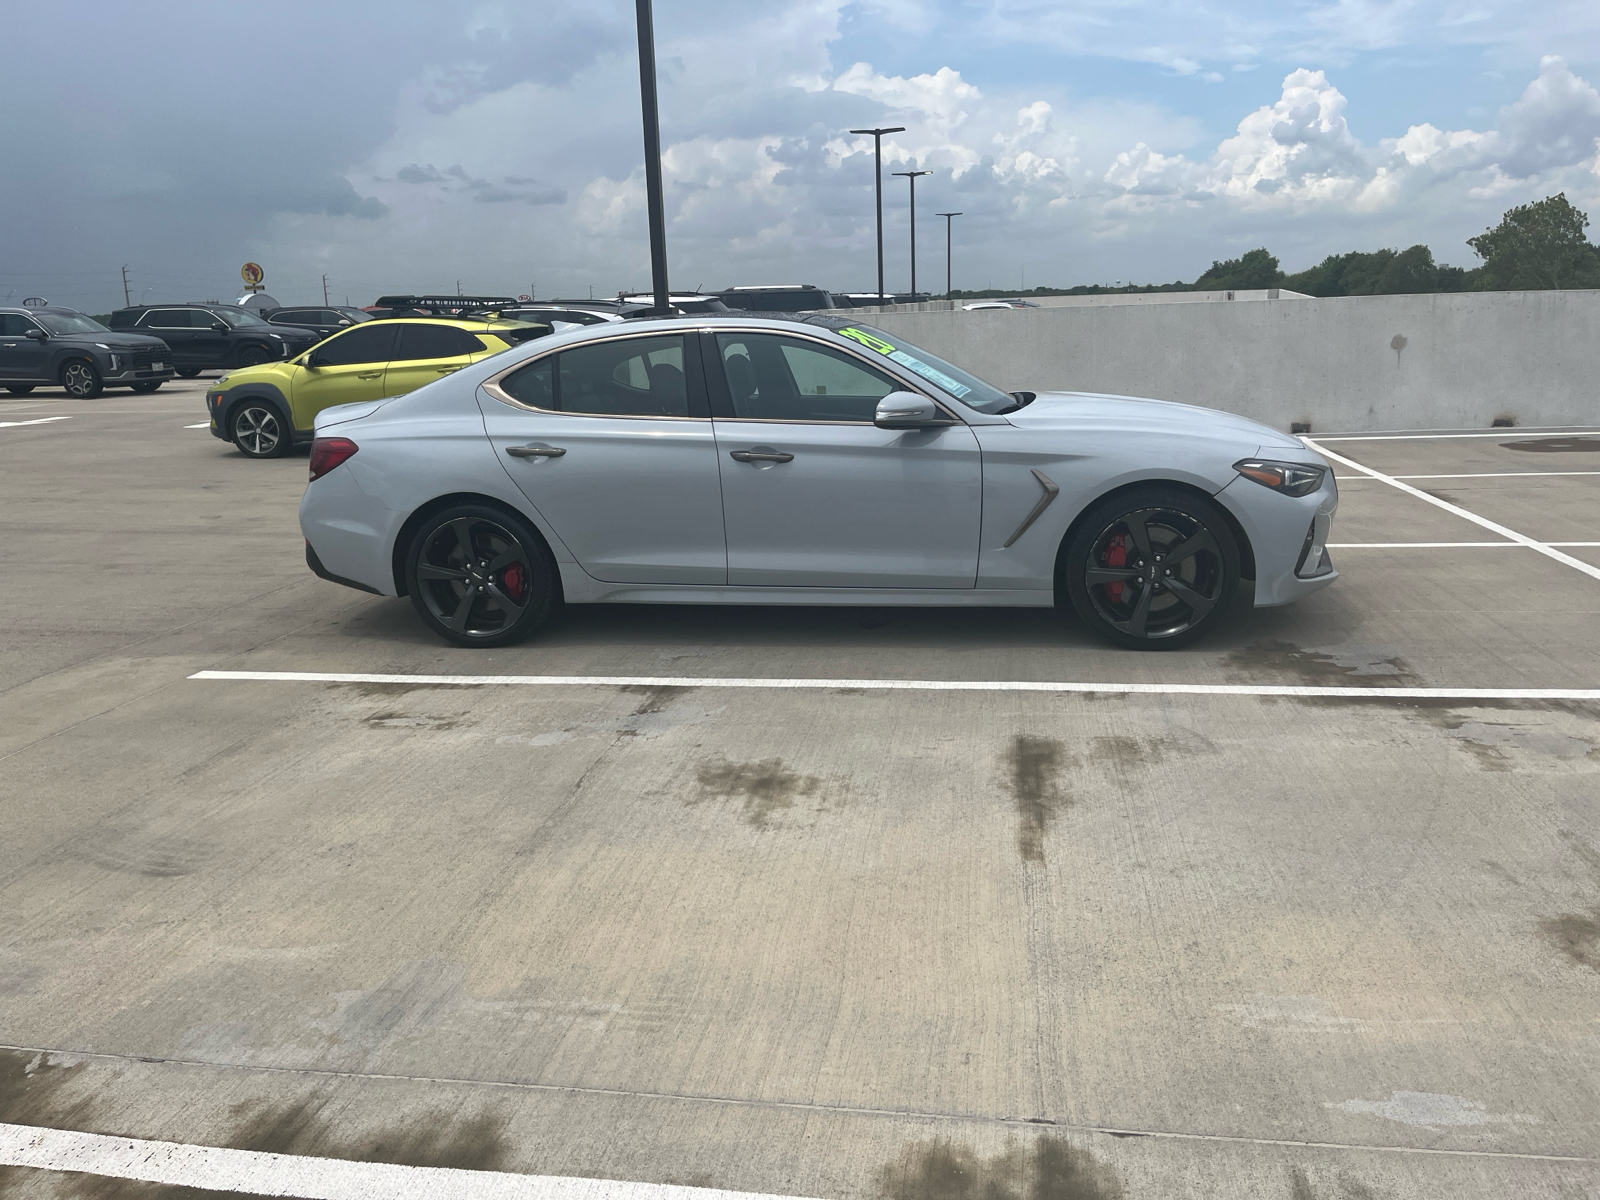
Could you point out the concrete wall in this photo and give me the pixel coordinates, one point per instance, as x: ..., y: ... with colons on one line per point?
x: 1347, y: 363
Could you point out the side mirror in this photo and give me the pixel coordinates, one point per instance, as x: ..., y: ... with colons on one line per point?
x: 314, y: 360
x: 907, y: 410
x: 220, y: 326
x: 37, y: 335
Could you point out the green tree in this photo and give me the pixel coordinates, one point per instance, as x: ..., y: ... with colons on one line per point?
x: 1253, y: 269
x: 1538, y: 246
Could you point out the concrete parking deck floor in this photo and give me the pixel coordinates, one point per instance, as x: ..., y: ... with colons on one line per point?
x: 854, y: 944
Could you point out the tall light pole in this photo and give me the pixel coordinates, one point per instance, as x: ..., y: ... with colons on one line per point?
x: 652, y: 154
x: 912, y: 176
x: 947, y: 217
x: 877, y: 166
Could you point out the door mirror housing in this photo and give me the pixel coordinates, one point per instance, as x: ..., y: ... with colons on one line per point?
x: 37, y: 335
x: 220, y: 326
x: 314, y: 360
x: 907, y: 410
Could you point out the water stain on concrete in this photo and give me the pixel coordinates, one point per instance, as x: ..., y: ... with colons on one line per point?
x: 373, y: 691
x: 1492, y: 743
x: 1576, y: 935
x: 1272, y: 660
x: 30, y: 1090
x: 1050, y: 1168
x: 144, y: 850
x: 398, y: 720
x: 476, y: 1142
x: 653, y: 699
x: 1556, y: 445
x: 1032, y: 765
x: 764, y: 788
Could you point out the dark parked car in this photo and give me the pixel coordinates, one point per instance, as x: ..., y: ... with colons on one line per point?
x: 788, y: 297
x: 51, y: 346
x: 208, y: 336
x: 327, y: 320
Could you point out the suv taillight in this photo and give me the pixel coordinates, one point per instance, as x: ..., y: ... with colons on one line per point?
x: 328, y: 453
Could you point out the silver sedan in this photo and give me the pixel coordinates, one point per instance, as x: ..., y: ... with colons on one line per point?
x: 732, y: 460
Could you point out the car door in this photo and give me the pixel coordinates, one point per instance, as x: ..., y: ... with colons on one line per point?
x: 21, y: 357
x: 816, y: 495
x: 175, y: 327
x: 342, y: 370
x: 611, y: 441
x: 213, y: 347
x: 427, y: 352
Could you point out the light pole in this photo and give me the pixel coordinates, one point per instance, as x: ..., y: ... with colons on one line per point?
x: 947, y: 217
x: 652, y: 154
x: 877, y: 166
x: 912, y: 176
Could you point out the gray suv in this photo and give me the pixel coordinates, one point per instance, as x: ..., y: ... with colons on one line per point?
x: 54, y: 346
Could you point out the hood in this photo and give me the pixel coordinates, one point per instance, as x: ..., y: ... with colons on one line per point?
x: 338, y: 414
x: 1133, y: 414
x: 117, y: 339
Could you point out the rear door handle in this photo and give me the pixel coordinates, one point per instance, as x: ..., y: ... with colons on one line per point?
x: 446, y: 370
x: 535, y: 451
x: 760, y: 456
x: 368, y: 374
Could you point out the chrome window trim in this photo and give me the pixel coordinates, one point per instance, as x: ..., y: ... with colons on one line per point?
x: 492, y: 384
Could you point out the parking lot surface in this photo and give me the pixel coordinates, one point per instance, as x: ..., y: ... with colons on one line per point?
x: 850, y: 942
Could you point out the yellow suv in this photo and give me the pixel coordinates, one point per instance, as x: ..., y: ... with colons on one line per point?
x: 269, y: 409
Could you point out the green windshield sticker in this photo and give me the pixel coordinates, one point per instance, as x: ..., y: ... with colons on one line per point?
x: 930, y: 373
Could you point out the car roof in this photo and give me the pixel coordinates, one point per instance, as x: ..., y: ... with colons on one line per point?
x: 59, y: 310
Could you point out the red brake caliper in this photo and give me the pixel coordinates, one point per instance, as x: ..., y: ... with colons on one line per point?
x: 513, y: 581
x: 1116, y: 556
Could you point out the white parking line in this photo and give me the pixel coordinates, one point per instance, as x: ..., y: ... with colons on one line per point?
x: 1441, y: 545
x: 36, y: 421
x: 207, y: 425
x: 260, y: 1173
x: 1548, y: 551
x: 1473, y: 475
x: 1511, y: 432
x: 910, y: 685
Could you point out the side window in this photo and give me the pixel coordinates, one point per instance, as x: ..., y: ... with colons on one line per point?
x: 776, y: 378
x: 293, y: 316
x: 370, y: 344
x: 534, y: 385
x: 433, y: 341
x: 14, y: 325
x: 632, y: 377
x: 167, y: 318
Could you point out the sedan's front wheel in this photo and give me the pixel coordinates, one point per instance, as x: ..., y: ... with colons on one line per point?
x: 1151, y: 569
x: 481, y: 577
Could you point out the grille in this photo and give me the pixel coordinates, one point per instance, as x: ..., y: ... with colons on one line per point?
x: 143, y: 358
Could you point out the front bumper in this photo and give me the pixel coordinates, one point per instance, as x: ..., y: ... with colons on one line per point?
x: 1288, y: 535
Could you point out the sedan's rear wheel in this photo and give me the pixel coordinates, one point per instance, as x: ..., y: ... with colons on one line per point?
x: 481, y: 577
x: 1152, y: 569
x: 81, y: 379
x: 258, y: 430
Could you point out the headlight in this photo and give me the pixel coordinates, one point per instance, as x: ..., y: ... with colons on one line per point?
x: 279, y: 336
x: 1292, y: 479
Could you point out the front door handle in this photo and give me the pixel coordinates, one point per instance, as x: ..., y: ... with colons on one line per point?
x: 760, y: 456
x: 369, y: 374
x: 535, y: 451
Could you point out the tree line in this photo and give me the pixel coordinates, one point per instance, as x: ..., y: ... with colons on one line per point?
x: 1535, y: 247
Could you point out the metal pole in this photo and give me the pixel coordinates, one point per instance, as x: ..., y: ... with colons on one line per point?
x: 877, y: 177
x: 652, y: 154
x: 947, y: 217
x: 324, y: 288
x: 126, y: 301
x: 912, y: 176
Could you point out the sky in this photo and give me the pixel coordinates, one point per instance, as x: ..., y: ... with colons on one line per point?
x: 411, y: 145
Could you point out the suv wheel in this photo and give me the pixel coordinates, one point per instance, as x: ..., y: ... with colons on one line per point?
x: 258, y: 429
x: 19, y: 389
x: 1151, y: 569
x: 81, y: 379
x: 252, y: 356
x: 189, y: 372
x: 481, y: 577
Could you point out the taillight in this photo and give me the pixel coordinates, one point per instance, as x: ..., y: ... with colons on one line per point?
x: 328, y: 453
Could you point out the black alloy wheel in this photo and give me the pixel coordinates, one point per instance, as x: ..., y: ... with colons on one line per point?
x: 252, y: 356
x: 189, y: 372
x: 19, y: 389
x: 258, y: 430
x: 81, y: 379
x: 481, y: 577
x: 148, y: 386
x: 1152, y: 569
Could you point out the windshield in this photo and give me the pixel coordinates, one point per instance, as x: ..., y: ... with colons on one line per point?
x: 69, y: 323
x: 238, y: 317
x: 964, y: 386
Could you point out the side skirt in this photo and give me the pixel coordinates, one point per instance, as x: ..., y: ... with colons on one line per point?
x: 583, y: 589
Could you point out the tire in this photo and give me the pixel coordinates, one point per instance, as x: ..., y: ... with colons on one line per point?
x: 146, y: 388
x: 259, y: 430
x: 20, y: 389
x: 253, y: 356
x: 189, y: 372
x: 468, y: 568
x: 1124, y: 581
x: 80, y: 379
